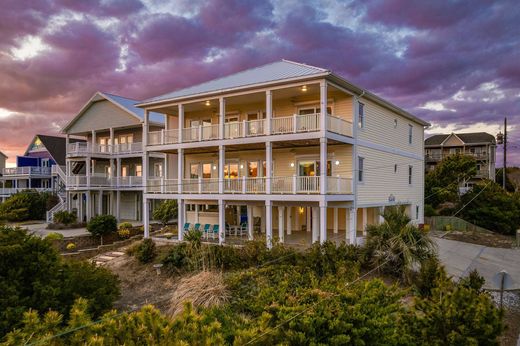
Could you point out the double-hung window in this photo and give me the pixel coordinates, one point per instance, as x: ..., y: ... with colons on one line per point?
x: 410, y: 134
x: 361, y: 115
x: 361, y: 169
x: 410, y: 172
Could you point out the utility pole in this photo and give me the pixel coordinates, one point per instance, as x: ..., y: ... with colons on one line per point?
x: 502, y: 139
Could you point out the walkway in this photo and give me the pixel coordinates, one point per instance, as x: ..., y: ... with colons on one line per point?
x: 460, y: 258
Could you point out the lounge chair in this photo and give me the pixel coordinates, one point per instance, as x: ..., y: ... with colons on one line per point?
x: 243, y: 229
x: 196, y: 227
x: 186, y: 227
x: 214, y: 231
x: 207, y: 228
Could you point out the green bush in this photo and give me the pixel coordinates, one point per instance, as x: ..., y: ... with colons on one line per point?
x: 429, y: 211
x: 33, y: 276
x: 25, y: 205
x: 146, y: 252
x: 165, y: 212
x: 64, y: 217
x: 102, y: 225
x: 125, y: 225
x: 54, y: 236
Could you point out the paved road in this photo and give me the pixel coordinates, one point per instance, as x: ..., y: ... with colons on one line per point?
x: 40, y: 230
x: 460, y: 258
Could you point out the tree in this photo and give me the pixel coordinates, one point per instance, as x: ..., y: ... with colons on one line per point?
x: 166, y: 211
x: 102, y: 225
x: 33, y: 276
x: 25, y: 205
x: 396, y: 244
x: 442, y: 184
x: 492, y: 208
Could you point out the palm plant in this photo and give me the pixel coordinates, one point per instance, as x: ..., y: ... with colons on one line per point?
x: 396, y: 245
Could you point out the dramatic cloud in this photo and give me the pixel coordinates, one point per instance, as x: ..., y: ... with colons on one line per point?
x: 453, y: 63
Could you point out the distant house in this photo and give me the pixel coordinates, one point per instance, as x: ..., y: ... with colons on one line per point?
x: 479, y: 145
x: 37, y: 168
x: 3, y: 157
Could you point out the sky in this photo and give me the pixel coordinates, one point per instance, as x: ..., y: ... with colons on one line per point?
x: 453, y: 63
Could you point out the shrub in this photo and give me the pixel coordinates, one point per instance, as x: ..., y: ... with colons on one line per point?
x: 193, y: 236
x: 54, y: 236
x: 146, y: 251
x: 166, y: 211
x: 102, y: 225
x: 64, y: 217
x: 125, y: 225
x: 33, y: 276
x: 25, y: 205
x: 123, y: 233
x: 71, y: 246
x: 429, y: 211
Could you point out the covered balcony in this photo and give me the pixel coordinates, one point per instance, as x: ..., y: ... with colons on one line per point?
x: 78, y: 182
x: 28, y: 170
x: 84, y: 149
x: 294, y: 110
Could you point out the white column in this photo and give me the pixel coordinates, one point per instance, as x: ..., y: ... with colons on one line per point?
x: 297, y: 222
x: 222, y: 116
x: 352, y: 225
x: 112, y: 144
x: 323, y: 107
x: 221, y: 221
x: 180, y: 168
x: 93, y: 141
x: 181, y: 218
x: 381, y: 212
x: 79, y: 205
x: 146, y: 128
x: 323, y: 222
x: 181, y: 121
x: 268, y: 111
x: 146, y: 217
x: 262, y: 221
x: 221, y: 163
x: 196, y: 213
x: 112, y: 169
x: 364, y: 224
x: 335, y: 220
x: 308, y: 211
x: 118, y: 205
x: 323, y: 166
x: 268, y: 166
x: 88, y: 170
x: 88, y: 205
x: 289, y: 220
x: 315, y: 224
x: 67, y: 142
x: 100, y: 202
x: 268, y: 224
x: 250, y: 221
x: 146, y: 169
x: 281, y: 223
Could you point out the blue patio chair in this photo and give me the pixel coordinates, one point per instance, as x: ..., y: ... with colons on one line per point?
x: 186, y: 227
x: 207, y: 228
x: 243, y: 229
x: 196, y: 227
x: 214, y: 231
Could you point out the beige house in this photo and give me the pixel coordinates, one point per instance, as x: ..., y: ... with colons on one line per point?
x: 286, y: 151
x: 104, y: 175
x: 3, y: 158
x: 479, y: 145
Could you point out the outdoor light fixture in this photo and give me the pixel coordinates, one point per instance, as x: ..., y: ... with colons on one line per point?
x: 301, y: 210
x: 336, y: 163
x: 304, y: 88
x: 214, y: 167
x: 292, y: 164
x: 208, y: 103
x: 241, y: 166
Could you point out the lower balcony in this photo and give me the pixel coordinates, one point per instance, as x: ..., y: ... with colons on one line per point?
x: 279, y: 185
x: 102, y: 181
x: 8, y: 191
x: 28, y: 170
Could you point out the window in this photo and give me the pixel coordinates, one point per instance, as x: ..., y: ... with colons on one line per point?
x: 395, y: 123
x: 361, y: 169
x: 124, y: 171
x: 417, y: 212
x: 138, y: 170
x: 312, y: 110
x: 252, y: 169
x: 158, y: 169
x: 410, y: 134
x: 194, y: 171
x: 206, y: 170
x: 361, y: 115
x: 410, y: 170
x: 395, y: 168
x: 231, y: 170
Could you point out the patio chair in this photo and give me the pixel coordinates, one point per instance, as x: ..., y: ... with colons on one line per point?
x: 214, y: 231
x: 207, y: 228
x: 228, y: 229
x: 243, y: 229
x: 196, y: 227
x: 186, y: 227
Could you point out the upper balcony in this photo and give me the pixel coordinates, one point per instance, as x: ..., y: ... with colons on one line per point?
x: 102, y: 181
x: 87, y: 149
x: 295, y: 112
x: 435, y: 157
x: 251, y: 128
x: 27, y: 171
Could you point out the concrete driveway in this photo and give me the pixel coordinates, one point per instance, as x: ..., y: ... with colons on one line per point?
x: 40, y: 229
x: 460, y: 258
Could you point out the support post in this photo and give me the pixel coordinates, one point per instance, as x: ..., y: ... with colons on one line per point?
x: 100, y: 203
x: 94, y: 144
x: 250, y: 221
x: 323, y: 166
x: 221, y: 163
x: 364, y: 222
x: 281, y: 223
x: 315, y: 224
x: 180, y: 169
x: 112, y: 144
x: 268, y: 166
x: 196, y: 213
x: 289, y: 220
x: 181, y: 121
x: 336, y: 212
x: 352, y: 225
x: 221, y: 221
x: 323, y: 107
x: 222, y: 117
x: 308, y: 226
x: 118, y: 205
x: 146, y: 217
x: 88, y: 170
x: 323, y: 222
x: 268, y: 224
x: 268, y: 111
x: 181, y: 218
x: 88, y: 203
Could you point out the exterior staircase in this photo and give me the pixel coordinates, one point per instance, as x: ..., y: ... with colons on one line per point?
x: 60, y: 191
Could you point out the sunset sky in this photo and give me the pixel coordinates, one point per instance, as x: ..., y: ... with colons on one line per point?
x: 455, y: 64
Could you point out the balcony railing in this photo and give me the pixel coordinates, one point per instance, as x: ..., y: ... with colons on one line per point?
x: 252, y: 128
x: 8, y: 191
x: 29, y: 170
x: 81, y: 149
x: 441, y: 156
x: 244, y: 185
x: 101, y: 180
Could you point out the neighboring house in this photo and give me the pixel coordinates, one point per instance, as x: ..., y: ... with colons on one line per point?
x: 479, y: 145
x: 104, y: 174
x: 38, y: 168
x: 3, y: 158
x: 286, y: 149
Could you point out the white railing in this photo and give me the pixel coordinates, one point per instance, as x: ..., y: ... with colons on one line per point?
x: 127, y: 148
x: 155, y: 137
x: 307, y: 122
x: 75, y: 181
x: 308, y: 184
x: 254, y: 185
x: 161, y: 185
x: 255, y: 128
x: 233, y: 185
x: 208, y: 185
x: 339, y: 125
x: 282, y: 184
x: 209, y: 132
x: 191, y: 134
x: 28, y: 170
x: 281, y: 125
x: 7, y: 191
x: 339, y: 185
x: 234, y: 130
x: 78, y: 148
x: 62, y: 205
x: 128, y: 181
x: 59, y: 171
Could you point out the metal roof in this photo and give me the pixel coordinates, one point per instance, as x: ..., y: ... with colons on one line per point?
x: 467, y: 138
x: 276, y: 71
